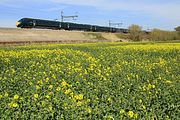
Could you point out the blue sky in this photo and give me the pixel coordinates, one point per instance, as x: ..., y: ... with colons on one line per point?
x: 163, y: 14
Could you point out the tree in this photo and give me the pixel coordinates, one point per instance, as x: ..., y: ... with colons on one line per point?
x: 177, y: 29
x: 135, y: 32
x: 162, y: 35
x: 157, y: 35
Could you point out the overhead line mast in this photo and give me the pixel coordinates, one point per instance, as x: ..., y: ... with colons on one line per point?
x: 65, y: 17
x: 114, y: 24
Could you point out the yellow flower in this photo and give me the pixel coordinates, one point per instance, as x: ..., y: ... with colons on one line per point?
x: 168, y: 82
x: 30, y: 83
x: 107, y: 74
x: 58, y: 89
x: 89, y: 110
x: 153, y: 86
x: 79, y: 103
x: 6, y: 94
x: 122, y: 111
x: 144, y: 87
x: 108, y: 117
x: 54, y: 76
x: 37, y: 87
x: 71, y: 94
x: 47, y: 96
x: 130, y: 114
x: 40, y: 82
x: 13, y: 71
x: 128, y: 78
x: 109, y: 99
x: 16, y: 97
x: 68, y: 91
x: 36, y: 96
x: 50, y: 87
x: 162, y: 62
x: 47, y: 79
x: 43, y: 103
x: 144, y: 107
x: 64, y: 84
x: 135, y: 116
x: 78, y: 97
x: 137, y: 76
x: 51, y: 93
x: 1, y: 96
x: 14, y: 105
x: 50, y: 108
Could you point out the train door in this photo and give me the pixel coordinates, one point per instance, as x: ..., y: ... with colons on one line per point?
x: 94, y: 28
x: 68, y: 26
x: 60, y: 26
x: 91, y: 28
x: 34, y: 23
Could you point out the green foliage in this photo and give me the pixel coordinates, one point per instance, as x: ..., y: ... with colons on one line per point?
x: 90, y: 81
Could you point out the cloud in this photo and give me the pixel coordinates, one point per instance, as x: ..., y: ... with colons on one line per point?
x: 158, y: 11
x: 168, y: 10
x: 163, y: 8
x: 94, y: 3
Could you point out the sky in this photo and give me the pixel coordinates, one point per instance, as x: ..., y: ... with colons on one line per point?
x: 149, y: 14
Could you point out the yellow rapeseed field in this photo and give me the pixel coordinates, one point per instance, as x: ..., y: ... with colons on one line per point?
x: 108, y: 81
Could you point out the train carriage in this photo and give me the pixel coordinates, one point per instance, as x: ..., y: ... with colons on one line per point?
x: 48, y: 24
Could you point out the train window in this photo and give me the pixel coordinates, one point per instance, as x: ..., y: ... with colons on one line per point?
x: 20, y: 21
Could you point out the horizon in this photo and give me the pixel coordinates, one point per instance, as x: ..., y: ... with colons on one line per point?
x: 161, y: 14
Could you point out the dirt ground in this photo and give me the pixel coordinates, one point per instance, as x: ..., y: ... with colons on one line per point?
x: 15, y: 35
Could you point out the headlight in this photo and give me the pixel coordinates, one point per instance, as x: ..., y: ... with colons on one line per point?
x: 18, y: 23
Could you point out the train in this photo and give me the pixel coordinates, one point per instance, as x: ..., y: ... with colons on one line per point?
x: 56, y: 25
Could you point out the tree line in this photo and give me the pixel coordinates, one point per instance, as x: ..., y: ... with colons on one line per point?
x: 137, y: 34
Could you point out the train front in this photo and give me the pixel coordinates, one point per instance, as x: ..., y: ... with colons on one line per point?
x: 19, y: 23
